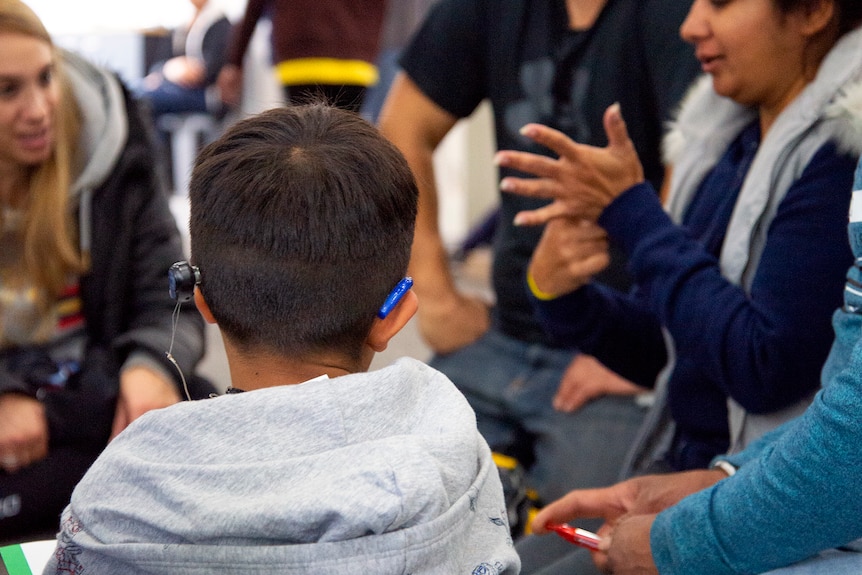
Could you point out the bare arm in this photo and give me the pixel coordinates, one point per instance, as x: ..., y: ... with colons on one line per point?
x: 416, y: 125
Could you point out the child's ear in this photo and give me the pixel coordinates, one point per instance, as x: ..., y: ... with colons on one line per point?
x: 203, y: 306
x: 382, y: 330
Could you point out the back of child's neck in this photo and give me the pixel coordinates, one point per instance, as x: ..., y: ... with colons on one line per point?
x: 259, y: 369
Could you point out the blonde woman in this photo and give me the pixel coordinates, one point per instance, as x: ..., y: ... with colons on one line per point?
x: 87, y: 238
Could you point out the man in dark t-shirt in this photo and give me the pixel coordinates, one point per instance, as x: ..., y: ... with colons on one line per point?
x: 560, y: 63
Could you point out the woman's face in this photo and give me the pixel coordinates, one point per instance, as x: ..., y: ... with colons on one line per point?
x: 753, y: 51
x: 28, y: 100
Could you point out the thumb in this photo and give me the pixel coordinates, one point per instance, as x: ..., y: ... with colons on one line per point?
x: 615, y: 126
x: 605, y: 542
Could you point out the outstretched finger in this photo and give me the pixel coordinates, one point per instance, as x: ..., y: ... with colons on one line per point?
x: 578, y: 504
x: 541, y: 216
x: 544, y: 188
x: 527, y: 162
x: 556, y: 209
x: 615, y: 127
x: 552, y: 139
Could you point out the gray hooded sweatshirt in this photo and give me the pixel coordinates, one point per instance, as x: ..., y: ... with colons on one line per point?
x: 380, y: 472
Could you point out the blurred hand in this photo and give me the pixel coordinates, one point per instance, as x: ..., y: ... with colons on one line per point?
x: 229, y: 84
x: 582, y: 181
x: 645, y: 495
x: 23, y: 431
x: 586, y: 379
x: 451, y: 324
x: 569, y: 254
x: 626, y: 551
x: 184, y: 71
x: 140, y: 391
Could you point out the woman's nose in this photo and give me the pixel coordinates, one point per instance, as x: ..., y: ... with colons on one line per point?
x: 36, y: 104
x: 694, y: 27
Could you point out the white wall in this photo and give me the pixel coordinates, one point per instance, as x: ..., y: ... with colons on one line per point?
x: 75, y: 16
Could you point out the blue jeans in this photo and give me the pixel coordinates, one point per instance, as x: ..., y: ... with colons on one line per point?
x: 511, y: 384
x: 170, y: 98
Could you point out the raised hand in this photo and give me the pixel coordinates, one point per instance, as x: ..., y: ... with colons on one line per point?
x: 582, y: 181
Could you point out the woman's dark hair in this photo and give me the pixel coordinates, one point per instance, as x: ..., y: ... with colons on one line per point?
x: 849, y: 11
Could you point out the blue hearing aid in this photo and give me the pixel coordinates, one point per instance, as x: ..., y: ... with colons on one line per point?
x: 395, y: 296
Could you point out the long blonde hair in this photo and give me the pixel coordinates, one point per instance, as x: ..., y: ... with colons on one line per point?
x: 50, y: 246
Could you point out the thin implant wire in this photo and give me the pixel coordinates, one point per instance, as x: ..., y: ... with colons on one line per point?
x: 175, y: 319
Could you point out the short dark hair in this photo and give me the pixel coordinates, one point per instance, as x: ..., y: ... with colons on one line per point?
x: 302, y: 220
x: 849, y: 11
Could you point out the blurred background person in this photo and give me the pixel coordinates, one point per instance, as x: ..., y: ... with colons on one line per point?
x: 320, y: 48
x: 403, y: 18
x: 85, y: 315
x: 547, y: 61
x: 186, y: 82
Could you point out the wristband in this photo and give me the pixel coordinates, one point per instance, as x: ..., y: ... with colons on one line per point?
x: 534, y: 289
x: 725, y: 466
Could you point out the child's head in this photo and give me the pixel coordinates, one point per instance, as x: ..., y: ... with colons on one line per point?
x: 301, y: 224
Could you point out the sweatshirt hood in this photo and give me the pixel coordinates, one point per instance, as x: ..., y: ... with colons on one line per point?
x: 381, y: 472
x: 104, y: 132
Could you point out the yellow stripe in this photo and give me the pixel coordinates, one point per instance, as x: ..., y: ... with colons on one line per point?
x: 534, y: 289
x: 326, y: 71
x: 504, y: 461
x: 69, y: 307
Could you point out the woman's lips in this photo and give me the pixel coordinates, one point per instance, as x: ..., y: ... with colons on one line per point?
x: 35, y: 141
x: 708, y: 63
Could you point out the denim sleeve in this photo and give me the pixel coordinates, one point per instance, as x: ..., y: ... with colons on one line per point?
x: 757, y: 447
x: 751, y: 522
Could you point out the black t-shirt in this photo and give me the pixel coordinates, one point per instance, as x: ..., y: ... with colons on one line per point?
x: 524, y: 58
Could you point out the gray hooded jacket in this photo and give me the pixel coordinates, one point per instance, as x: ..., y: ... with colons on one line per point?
x: 381, y: 472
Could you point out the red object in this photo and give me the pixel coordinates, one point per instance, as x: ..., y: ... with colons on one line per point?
x: 580, y: 537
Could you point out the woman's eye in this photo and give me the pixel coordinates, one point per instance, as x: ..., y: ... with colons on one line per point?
x: 46, y: 77
x: 8, y: 89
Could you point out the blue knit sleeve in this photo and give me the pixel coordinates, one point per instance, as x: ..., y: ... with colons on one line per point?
x: 615, y: 327
x: 789, y: 504
x: 765, y: 348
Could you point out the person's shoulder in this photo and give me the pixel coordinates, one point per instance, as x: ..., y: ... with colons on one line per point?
x: 490, y: 11
x: 431, y: 381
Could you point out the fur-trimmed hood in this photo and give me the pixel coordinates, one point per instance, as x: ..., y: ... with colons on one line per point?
x: 828, y: 110
x: 835, y: 94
